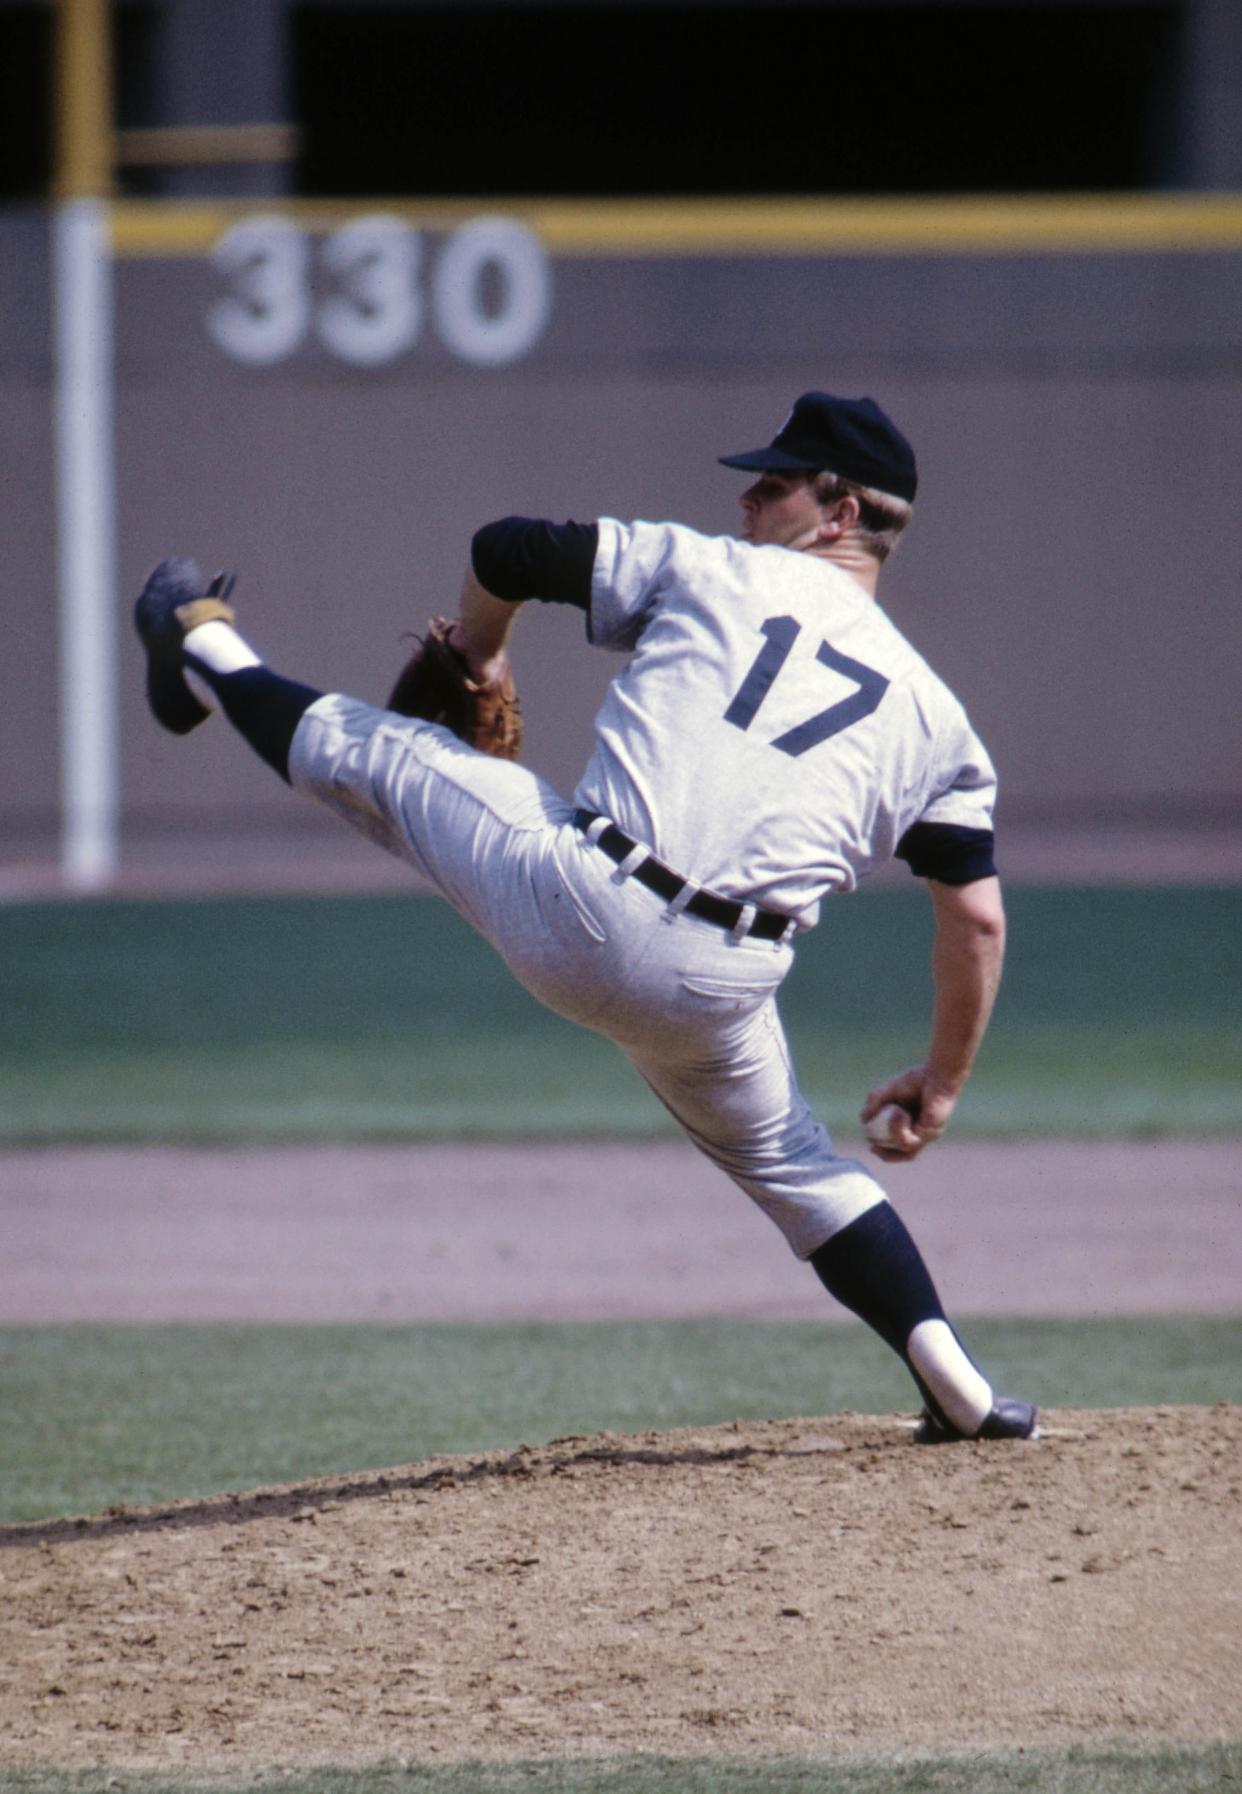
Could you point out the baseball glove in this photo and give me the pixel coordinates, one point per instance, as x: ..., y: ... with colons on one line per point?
x: 435, y: 684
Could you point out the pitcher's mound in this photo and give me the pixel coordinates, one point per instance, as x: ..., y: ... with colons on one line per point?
x: 795, y: 1587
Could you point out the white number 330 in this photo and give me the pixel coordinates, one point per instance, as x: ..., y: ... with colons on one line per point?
x: 489, y: 291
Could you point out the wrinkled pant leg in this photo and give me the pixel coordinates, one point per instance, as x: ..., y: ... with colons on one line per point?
x: 465, y: 821
x: 736, y: 1096
x: 479, y: 831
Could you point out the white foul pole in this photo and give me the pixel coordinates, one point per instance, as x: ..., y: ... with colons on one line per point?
x: 85, y: 467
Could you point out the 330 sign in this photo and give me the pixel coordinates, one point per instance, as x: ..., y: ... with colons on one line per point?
x: 486, y: 291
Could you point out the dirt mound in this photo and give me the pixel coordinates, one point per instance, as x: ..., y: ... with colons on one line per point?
x: 800, y: 1587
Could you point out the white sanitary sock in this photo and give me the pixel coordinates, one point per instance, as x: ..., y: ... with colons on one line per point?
x: 218, y: 645
x: 964, y: 1394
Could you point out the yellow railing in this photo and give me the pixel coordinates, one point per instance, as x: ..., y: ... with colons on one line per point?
x: 1088, y: 224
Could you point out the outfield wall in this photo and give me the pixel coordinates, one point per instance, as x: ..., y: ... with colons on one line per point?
x: 1073, y: 569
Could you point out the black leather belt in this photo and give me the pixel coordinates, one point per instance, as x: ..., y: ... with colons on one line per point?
x: 767, y: 924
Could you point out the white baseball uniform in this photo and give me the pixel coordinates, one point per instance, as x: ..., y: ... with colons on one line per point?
x: 771, y: 739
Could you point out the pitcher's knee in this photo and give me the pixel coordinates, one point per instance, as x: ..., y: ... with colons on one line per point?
x: 809, y: 1213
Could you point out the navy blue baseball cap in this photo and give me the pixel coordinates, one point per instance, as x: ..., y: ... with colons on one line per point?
x: 850, y: 437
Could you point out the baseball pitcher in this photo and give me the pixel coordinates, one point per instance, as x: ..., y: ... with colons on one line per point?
x: 769, y: 740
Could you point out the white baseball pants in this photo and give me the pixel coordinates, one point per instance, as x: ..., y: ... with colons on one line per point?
x: 692, y: 1009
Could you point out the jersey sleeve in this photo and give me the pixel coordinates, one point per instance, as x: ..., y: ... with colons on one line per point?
x: 953, y: 840
x: 948, y: 853
x: 517, y: 558
x: 632, y: 568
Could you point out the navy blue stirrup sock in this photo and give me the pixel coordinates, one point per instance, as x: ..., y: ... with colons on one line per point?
x: 261, y: 705
x: 874, y: 1269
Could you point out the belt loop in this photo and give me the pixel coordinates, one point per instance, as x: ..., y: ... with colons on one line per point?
x: 596, y: 827
x: 678, y: 902
x: 787, y: 933
x: 745, y: 922
x: 632, y: 861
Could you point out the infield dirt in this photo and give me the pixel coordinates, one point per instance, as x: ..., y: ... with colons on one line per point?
x: 796, y: 1588
x: 801, y: 1588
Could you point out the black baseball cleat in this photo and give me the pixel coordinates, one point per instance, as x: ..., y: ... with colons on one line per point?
x: 174, y: 601
x: 1009, y: 1419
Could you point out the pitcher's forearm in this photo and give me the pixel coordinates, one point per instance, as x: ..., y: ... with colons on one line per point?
x: 483, y: 625
x: 967, y: 958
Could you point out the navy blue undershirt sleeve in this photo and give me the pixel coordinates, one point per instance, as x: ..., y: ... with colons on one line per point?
x: 948, y: 852
x: 517, y: 558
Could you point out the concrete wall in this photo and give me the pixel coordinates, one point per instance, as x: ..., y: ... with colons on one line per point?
x: 1074, y: 566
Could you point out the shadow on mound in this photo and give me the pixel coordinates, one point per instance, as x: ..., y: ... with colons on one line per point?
x: 303, y: 1501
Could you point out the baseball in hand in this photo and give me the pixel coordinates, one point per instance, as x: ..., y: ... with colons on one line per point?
x: 880, y: 1129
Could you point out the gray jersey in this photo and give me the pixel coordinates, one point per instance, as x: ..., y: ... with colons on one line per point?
x: 774, y: 734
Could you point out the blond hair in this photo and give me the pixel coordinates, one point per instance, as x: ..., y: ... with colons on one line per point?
x: 881, y: 515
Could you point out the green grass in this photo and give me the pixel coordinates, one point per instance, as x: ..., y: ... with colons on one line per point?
x: 384, y: 1017
x: 92, y: 1416
x: 1177, y: 1769
x: 95, y: 1416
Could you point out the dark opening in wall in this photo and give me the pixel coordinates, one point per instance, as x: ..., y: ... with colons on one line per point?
x: 707, y: 99
x: 25, y: 101
x: 775, y: 96
x: 28, y: 89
